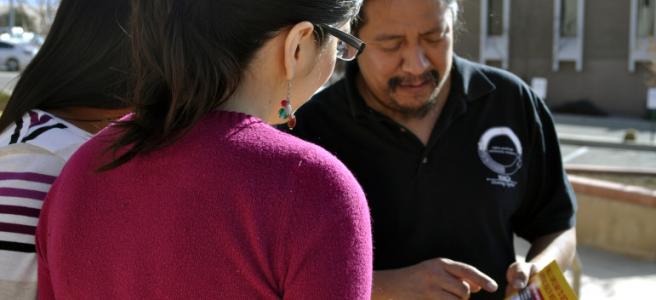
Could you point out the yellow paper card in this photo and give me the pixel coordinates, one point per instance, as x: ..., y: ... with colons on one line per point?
x: 548, y: 284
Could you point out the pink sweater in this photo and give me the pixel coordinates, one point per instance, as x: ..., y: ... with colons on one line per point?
x: 233, y: 210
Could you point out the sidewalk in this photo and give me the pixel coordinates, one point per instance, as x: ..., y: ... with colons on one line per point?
x: 595, y: 141
x: 606, y: 131
x: 600, y: 141
x: 607, y: 276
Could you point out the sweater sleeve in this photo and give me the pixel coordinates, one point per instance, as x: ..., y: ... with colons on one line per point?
x: 45, y: 290
x: 328, y: 240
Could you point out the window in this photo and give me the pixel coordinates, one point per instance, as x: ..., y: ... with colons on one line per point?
x: 495, y: 24
x: 568, y: 33
x: 4, y: 45
x: 645, y: 18
x: 643, y: 24
x: 495, y: 18
x: 568, y: 18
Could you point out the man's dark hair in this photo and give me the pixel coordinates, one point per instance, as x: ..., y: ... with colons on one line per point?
x: 84, y: 61
x: 453, y: 5
x: 190, y: 57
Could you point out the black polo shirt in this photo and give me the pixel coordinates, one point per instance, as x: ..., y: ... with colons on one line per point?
x: 491, y: 168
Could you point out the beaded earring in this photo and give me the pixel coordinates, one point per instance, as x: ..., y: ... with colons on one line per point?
x: 286, y: 112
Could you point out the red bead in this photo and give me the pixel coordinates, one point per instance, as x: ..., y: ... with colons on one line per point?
x: 292, y: 122
x: 284, y: 103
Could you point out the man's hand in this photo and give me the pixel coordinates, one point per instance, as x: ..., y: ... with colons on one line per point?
x: 559, y: 246
x: 432, y: 279
x: 518, y: 275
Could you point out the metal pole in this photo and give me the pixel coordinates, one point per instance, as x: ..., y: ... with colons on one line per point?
x: 48, y: 12
x: 12, y: 15
x: 653, y: 124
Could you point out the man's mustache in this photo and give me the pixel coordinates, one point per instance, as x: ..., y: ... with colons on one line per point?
x: 432, y: 76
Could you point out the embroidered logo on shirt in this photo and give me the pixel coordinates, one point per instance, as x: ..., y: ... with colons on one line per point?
x: 500, y: 150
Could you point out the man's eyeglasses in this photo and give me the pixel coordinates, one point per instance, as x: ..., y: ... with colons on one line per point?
x: 348, y: 46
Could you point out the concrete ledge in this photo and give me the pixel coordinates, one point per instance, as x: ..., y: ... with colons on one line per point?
x: 581, y: 140
x: 614, y: 170
x: 615, y: 191
x: 616, y: 217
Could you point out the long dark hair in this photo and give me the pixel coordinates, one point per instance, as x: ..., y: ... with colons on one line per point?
x: 190, y: 55
x: 83, y: 62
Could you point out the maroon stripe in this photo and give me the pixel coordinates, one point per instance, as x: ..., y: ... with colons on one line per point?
x: 16, y: 228
x: 36, y: 120
x: 34, y: 117
x: 18, y: 210
x: 34, y: 177
x: 21, y: 193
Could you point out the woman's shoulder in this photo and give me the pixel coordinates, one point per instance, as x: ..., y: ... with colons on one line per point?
x: 46, y: 131
x: 319, y: 171
x: 308, y: 155
x: 27, y: 158
x: 250, y: 135
x: 268, y: 145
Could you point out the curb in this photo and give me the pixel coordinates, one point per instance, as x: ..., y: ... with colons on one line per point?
x: 616, y: 191
x: 566, y: 139
x: 595, y: 169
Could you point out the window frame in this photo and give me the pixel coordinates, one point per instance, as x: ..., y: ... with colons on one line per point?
x: 639, y: 47
x: 495, y: 48
x: 568, y: 48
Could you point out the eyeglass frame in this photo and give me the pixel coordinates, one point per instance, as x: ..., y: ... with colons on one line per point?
x: 347, y: 38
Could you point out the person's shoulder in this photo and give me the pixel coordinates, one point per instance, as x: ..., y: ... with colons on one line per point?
x: 46, y: 131
x: 326, y: 174
x: 497, y: 76
x: 502, y: 85
x: 317, y: 159
x: 28, y: 158
x: 295, y: 158
x: 312, y: 160
x: 294, y: 148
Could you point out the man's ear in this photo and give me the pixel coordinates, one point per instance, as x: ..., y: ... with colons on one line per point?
x: 296, y: 46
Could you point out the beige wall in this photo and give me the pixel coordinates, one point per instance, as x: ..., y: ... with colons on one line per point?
x: 605, y: 78
x: 616, y: 226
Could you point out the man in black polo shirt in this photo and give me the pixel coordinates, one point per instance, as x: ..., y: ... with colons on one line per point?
x: 454, y: 157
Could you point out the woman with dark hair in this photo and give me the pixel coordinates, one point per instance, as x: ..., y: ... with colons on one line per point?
x: 72, y: 88
x: 195, y: 196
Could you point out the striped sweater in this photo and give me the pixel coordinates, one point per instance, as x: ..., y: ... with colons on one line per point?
x: 32, y: 153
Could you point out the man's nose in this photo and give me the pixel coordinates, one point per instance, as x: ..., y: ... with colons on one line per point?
x: 415, y: 61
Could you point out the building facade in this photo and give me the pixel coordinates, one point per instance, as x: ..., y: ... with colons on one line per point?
x: 594, y: 50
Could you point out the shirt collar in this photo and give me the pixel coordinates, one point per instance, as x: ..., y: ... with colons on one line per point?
x: 473, y: 83
x: 468, y: 83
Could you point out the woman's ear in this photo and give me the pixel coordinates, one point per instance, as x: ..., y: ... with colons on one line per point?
x: 297, y: 48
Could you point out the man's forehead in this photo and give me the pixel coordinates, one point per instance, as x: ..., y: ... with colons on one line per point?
x: 405, y: 13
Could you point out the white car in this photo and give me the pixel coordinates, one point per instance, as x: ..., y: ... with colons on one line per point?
x: 14, y: 57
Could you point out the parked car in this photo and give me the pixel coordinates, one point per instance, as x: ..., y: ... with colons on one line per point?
x: 14, y: 57
x: 18, y: 35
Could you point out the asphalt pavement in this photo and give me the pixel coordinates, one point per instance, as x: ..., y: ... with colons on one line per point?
x: 8, y: 81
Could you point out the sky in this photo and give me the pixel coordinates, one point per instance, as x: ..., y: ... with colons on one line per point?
x: 30, y: 2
